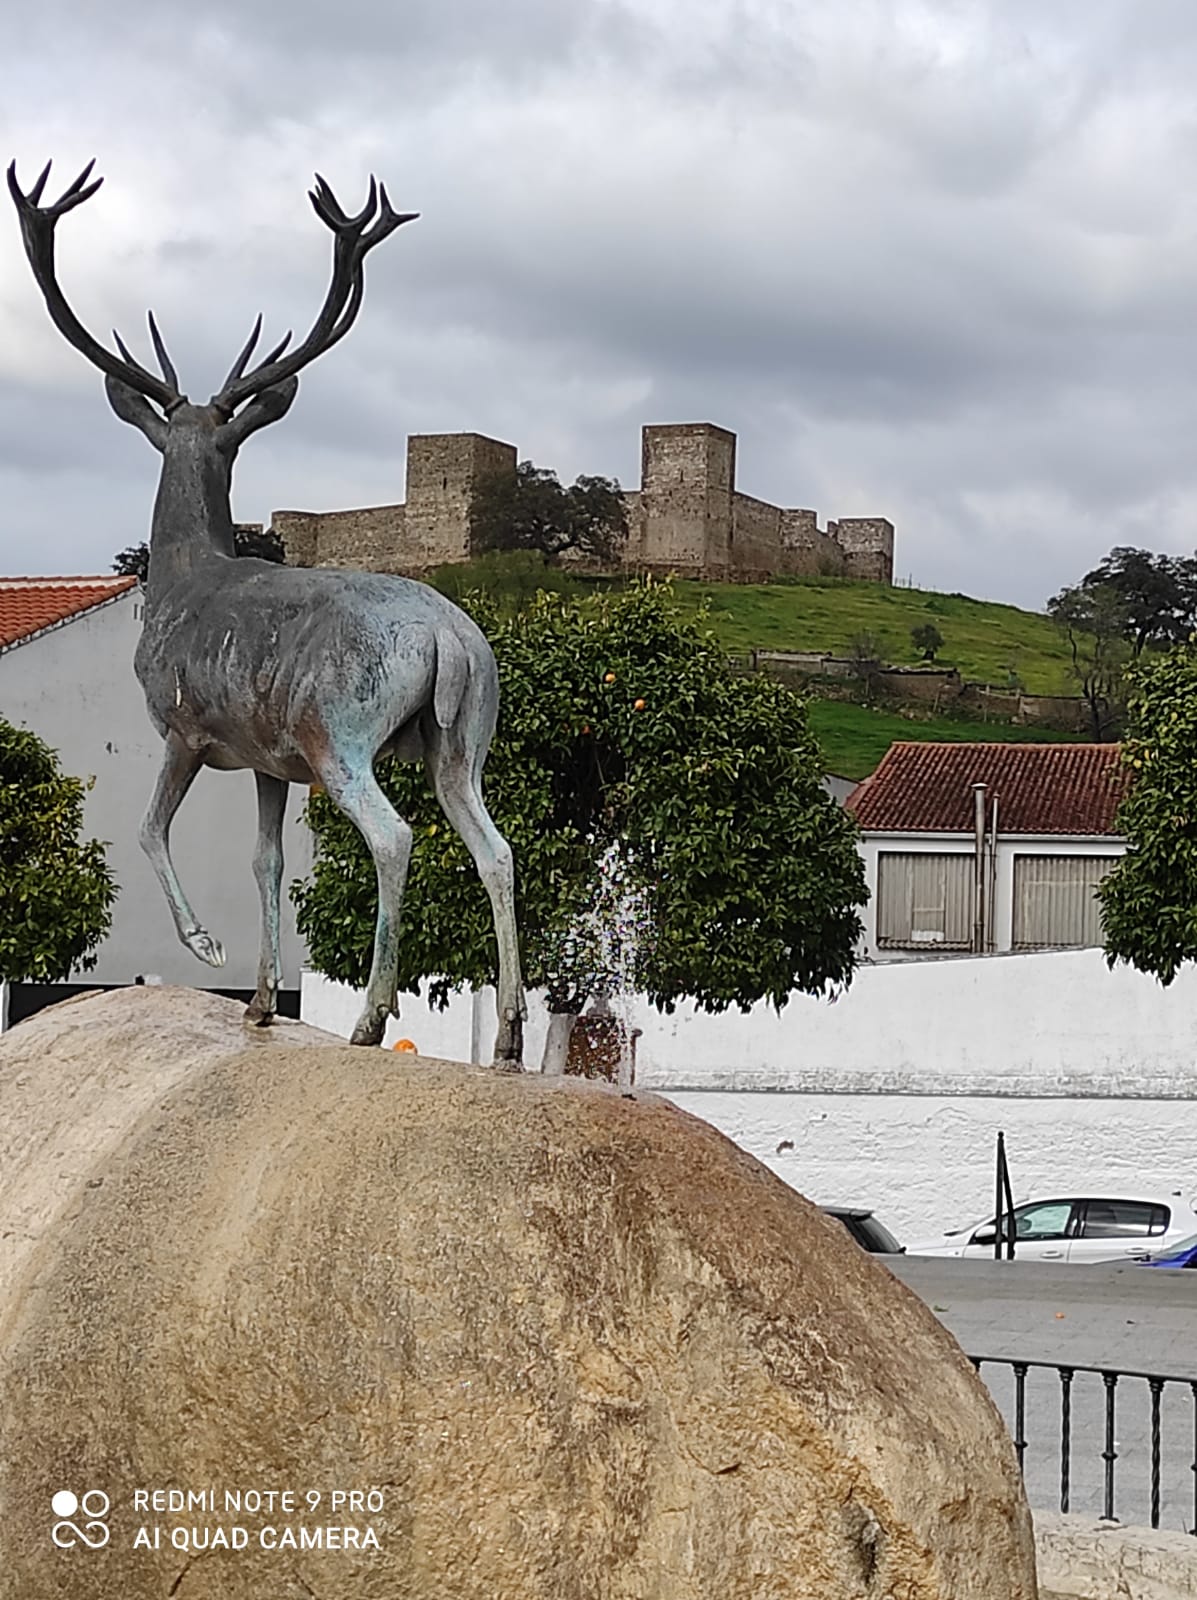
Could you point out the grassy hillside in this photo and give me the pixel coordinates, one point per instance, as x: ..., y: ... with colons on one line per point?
x: 983, y: 640
x: 854, y: 738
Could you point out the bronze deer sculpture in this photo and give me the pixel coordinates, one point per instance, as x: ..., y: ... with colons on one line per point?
x: 301, y: 675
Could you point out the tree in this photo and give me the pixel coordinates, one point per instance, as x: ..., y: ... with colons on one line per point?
x: 864, y: 656
x: 621, y: 725
x: 1149, y: 900
x: 927, y: 640
x: 133, y: 562
x: 1093, y: 619
x: 248, y: 540
x: 1157, y: 593
x: 56, y: 891
x: 531, y: 510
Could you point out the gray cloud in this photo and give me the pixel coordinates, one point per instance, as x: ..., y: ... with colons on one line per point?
x: 929, y: 260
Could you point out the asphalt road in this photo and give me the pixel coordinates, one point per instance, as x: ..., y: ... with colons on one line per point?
x: 1126, y: 1318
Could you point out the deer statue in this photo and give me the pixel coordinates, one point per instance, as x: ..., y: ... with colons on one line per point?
x: 303, y: 676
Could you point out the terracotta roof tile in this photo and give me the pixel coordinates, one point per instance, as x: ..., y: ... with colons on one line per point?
x: 1069, y: 789
x: 28, y: 605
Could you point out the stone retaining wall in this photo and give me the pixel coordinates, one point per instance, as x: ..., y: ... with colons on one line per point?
x: 1082, y: 1559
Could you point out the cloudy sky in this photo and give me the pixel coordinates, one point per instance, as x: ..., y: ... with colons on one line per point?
x: 930, y: 259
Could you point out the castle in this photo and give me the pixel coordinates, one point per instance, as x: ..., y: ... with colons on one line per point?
x: 687, y: 517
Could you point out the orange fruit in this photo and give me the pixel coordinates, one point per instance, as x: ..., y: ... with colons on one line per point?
x: 639, y: 706
x: 406, y: 1046
x: 610, y: 678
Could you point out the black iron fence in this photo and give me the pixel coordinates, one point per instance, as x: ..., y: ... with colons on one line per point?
x: 1107, y: 1434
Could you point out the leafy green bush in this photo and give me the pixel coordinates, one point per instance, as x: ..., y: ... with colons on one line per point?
x: 56, y: 891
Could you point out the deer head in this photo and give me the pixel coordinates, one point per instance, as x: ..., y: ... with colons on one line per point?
x: 246, y: 401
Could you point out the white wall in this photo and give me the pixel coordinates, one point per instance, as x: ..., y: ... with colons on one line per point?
x: 926, y: 1163
x: 892, y: 1096
x: 74, y: 686
x: 1000, y: 917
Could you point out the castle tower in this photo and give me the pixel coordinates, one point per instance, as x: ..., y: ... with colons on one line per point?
x: 443, y: 472
x: 687, y: 480
x: 868, y: 546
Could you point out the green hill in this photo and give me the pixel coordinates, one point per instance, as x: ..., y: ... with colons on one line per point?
x: 854, y: 738
x: 985, y: 642
x: 982, y: 639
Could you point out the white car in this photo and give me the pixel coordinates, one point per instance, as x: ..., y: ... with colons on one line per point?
x: 1077, y: 1229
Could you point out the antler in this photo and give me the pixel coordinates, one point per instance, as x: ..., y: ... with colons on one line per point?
x: 352, y: 238
x: 37, y: 231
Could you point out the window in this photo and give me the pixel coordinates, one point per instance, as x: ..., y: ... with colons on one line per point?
x: 924, y: 901
x: 1123, y: 1219
x: 1042, y: 1219
x: 1046, y: 1221
x: 1055, y: 901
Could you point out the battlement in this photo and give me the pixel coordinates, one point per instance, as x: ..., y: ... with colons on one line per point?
x: 687, y: 517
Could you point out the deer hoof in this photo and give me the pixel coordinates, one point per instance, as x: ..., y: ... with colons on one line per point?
x: 201, y: 943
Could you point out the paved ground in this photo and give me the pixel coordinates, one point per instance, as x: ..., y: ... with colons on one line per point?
x: 1131, y: 1318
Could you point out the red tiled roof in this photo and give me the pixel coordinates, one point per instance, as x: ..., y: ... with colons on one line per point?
x: 27, y: 605
x: 1041, y: 788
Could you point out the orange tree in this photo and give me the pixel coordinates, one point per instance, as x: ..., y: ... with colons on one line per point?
x: 1149, y: 900
x: 621, y: 723
x: 56, y: 891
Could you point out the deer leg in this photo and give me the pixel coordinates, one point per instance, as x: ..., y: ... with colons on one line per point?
x: 177, y: 773
x: 389, y: 840
x: 460, y: 798
x: 268, y: 871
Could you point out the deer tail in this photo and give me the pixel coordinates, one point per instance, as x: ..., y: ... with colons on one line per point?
x: 452, y: 676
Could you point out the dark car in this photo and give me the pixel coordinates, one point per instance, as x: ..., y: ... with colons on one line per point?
x: 866, y: 1230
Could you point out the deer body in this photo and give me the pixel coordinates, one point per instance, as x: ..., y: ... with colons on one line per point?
x: 299, y: 675
x: 367, y: 658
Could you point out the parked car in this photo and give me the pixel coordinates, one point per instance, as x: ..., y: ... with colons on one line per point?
x: 866, y: 1230
x: 1183, y: 1254
x: 1084, y: 1229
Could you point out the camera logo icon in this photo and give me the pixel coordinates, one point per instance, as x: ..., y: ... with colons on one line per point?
x: 93, y: 1507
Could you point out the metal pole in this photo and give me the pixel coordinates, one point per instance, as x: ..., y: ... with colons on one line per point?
x: 1009, y: 1207
x: 991, y: 897
x: 997, y: 1198
x: 979, y: 868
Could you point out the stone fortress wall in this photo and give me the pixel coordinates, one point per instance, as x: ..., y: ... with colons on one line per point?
x: 687, y: 517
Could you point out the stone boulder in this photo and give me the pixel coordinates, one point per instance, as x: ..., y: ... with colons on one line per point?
x: 560, y: 1344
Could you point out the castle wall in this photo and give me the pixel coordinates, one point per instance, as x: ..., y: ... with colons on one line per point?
x: 755, y: 546
x: 868, y: 546
x: 808, y: 550
x: 369, y: 538
x: 299, y: 531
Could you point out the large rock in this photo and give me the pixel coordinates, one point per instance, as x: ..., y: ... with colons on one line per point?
x: 581, y: 1346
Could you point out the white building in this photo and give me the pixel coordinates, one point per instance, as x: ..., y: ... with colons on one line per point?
x: 66, y: 672
x: 987, y: 847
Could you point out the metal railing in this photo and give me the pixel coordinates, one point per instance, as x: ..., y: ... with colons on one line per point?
x: 1111, y: 1377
